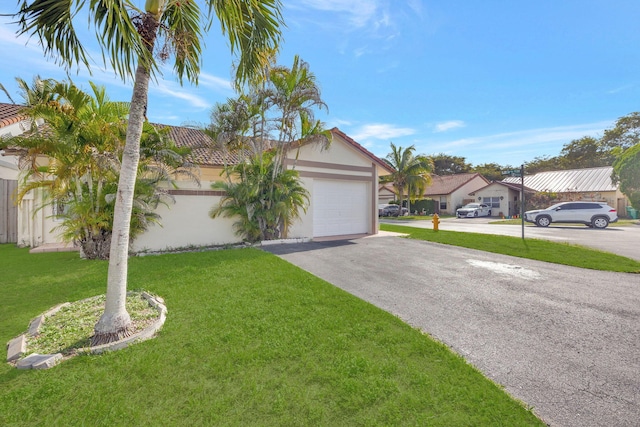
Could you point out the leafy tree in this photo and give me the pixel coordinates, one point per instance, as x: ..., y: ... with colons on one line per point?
x: 129, y: 36
x: 626, y: 171
x: 491, y: 171
x: 543, y: 164
x: 411, y: 173
x: 625, y: 134
x: 586, y: 152
x: 444, y: 164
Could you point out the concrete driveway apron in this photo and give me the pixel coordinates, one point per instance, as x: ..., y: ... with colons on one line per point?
x: 564, y: 340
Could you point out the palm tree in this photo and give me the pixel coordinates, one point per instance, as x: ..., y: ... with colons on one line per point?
x: 128, y: 36
x: 83, y: 142
x: 264, y: 207
x: 411, y: 173
x: 261, y: 128
x: 294, y: 94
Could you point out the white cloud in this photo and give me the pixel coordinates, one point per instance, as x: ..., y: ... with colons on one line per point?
x: 180, y: 93
x: 359, y: 12
x: 621, y: 89
x: 451, y: 124
x: 380, y: 131
x: 215, y: 82
x: 515, y: 147
x: 533, y: 136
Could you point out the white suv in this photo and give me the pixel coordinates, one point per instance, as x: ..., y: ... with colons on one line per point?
x: 592, y: 214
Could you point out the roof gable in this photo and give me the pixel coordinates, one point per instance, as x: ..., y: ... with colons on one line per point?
x: 447, y: 184
x: 379, y: 162
x: 572, y: 180
x: 511, y: 186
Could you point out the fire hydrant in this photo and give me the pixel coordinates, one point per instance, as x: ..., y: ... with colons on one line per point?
x: 436, y: 221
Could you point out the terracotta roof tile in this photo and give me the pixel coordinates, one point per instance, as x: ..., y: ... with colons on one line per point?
x: 10, y: 114
x: 203, y: 151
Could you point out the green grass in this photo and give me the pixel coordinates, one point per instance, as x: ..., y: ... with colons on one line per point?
x: 541, y: 250
x: 249, y: 340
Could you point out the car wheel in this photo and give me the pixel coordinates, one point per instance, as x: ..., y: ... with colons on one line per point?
x: 543, y: 221
x: 600, y: 222
x: 475, y: 214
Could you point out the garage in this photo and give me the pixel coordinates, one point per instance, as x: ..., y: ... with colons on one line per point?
x: 340, y: 207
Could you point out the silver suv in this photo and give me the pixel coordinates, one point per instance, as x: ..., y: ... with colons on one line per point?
x: 592, y: 214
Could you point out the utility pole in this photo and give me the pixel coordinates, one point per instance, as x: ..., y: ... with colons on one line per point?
x: 522, y: 198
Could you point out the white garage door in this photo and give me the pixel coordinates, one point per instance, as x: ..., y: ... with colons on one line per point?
x: 340, y: 207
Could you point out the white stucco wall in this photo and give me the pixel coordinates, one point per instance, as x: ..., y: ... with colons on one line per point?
x: 9, y: 167
x: 462, y: 193
x: 186, y: 223
x: 341, y: 162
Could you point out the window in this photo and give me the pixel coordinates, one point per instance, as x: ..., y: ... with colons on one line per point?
x: 59, y: 208
x: 443, y: 203
x: 493, y: 202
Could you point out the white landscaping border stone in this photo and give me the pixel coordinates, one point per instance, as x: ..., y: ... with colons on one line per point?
x: 285, y: 241
x: 17, y: 347
x: 148, y: 333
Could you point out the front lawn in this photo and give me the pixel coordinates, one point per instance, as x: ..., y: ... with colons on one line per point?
x: 249, y: 340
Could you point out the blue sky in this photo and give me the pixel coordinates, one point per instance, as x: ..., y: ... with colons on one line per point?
x: 491, y: 81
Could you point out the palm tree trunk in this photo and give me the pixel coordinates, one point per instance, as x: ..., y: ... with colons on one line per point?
x: 115, y: 322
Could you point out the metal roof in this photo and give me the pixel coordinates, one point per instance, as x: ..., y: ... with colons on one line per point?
x: 573, y: 180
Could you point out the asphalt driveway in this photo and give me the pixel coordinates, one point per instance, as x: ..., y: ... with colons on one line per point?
x: 565, y: 341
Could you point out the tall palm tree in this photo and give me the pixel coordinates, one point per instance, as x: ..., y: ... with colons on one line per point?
x: 128, y: 36
x: 261, y: 128
x: 411, y: 173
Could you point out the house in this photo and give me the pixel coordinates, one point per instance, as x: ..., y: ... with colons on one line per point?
x: 591, y: 184
x: 452, y: 191
x: 503, y: 197
x: 342, y: 181
x: 386, y: 194
x: 27, y: 225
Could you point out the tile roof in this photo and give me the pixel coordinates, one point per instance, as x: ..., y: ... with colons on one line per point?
x: 10, y: 114
x: 573, y: 180
x: 203, y: 150
x: 447, y: 184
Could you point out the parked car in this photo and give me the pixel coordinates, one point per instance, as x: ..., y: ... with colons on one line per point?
x: 392, y: 210
x: 592, y: 214
x: 473, y: 210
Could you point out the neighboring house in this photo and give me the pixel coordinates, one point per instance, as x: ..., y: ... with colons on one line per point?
x: 503, y: 197
x: 342, y: 181
x: 592, y: 184
x: 452, y: 191
x: 13, y: 123
x: 386, y: 194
